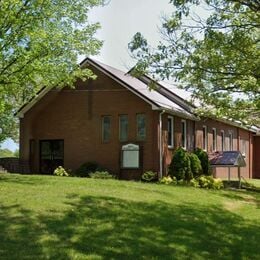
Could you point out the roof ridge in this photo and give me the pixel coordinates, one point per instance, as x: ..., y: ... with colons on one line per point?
x: 170, y: 95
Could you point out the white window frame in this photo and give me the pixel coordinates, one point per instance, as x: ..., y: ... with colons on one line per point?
x: 222, y: 136
x: 171, y: 145
x: 230, y: 140
x: 214, y: 139
x: 205, y: 139
x: 183, y: 121
x: 243, y: 147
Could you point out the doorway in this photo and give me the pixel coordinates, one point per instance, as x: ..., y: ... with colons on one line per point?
x: 51, y: 155
x: 256, y: 161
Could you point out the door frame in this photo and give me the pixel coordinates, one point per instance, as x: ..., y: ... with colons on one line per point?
x: 40, y: 148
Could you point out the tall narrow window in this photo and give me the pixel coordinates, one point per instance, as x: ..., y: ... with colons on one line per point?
x: 230, y: 141
x: 214, y: 139
x: 141, y: 127
x: 243, y: 147
x: 222, y: 136
x: 205, y: 138
x: 183, y: 133
x: 106, y: 128
x: 170, y: 129
x: 123, y: 128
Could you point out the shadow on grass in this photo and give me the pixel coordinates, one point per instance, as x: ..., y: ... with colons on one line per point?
x: 243, y: 196
x: 27, y: 180
x: 104, y: 228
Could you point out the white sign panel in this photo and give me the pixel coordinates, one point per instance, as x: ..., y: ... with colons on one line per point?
x: 130, y: 156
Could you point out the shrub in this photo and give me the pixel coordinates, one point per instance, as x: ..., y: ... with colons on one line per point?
x: 60, y: 171
x: 195, y: 164
x: 207, y: 182
x: 149, y: 176
x: 218, y: 184
x: 195, y: 183
x: 101, y: 175
x: 204, y: 160
x: 168, y: 180
x: 86, y: 168
x: 180, y: 166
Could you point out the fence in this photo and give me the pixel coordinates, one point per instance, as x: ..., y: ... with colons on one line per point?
x: 14, y: 165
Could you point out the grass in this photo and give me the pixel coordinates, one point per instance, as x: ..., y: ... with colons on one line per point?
x: 255, y: 182
x: 45, y: 217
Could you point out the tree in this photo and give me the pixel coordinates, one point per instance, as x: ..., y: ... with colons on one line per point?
x: 204, y: 160
x: 195, y: 165
x: 6, y: 153
x: 217, y: 57
x: 180, y: 166
x: 40, y: 41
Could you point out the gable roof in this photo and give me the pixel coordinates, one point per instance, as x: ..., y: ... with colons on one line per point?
x: 138, y: 87
x: 157, y: 100
x: 165, y: 97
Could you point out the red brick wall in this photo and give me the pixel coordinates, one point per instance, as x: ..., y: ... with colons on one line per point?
x: 75, y: 116
x: 168, y: 152
x: 239, y: 136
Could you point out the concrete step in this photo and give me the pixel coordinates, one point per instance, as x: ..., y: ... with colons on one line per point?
x: 2, y: 169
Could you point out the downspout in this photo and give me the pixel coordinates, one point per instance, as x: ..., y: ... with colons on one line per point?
x: 160, y: 143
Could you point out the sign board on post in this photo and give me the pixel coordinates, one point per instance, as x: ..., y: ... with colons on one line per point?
x: 229, y: 159
x: 130, y: 156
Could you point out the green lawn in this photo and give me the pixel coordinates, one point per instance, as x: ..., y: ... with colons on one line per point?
x: 44, y: 217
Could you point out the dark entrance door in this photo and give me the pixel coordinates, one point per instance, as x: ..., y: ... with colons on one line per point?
x: 256, y: 161
x: 51, y: 155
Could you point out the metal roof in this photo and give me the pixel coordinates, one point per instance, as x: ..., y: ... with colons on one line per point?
x: 166, y: 97
x: 139, y: 87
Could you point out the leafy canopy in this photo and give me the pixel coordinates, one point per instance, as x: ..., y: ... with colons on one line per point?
x: 217, y: 57
x: 40, y: 41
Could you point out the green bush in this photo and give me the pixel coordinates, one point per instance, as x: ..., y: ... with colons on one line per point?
x: 204, y: 160
x: 60, y: 171
x: 101, y: 175
x: 195, y: 183
x: 168, y: 180
x: 149, y: 176
x: 207, y: 182
x: 86, y: 168
x: 180, y: 166
x: 195, y: 164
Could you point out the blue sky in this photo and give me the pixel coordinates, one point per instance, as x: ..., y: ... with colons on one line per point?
x: 120, y: 20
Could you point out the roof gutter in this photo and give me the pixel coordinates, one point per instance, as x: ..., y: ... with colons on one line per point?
x: 174, y: 112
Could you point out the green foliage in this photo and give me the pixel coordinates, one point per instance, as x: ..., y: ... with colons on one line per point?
x: 195, y: 164
x: 6, y: 153
x: 40, y: 42
x: 16, y: 153
x: 43, y: 216
x: 60, y: 171
x: 207, y: 182
x: 101, y: 175
x: 215, y: 55
x: 204, y: 159
x: 180, y: 166
x: 149, y: 176
x: 168, y: 180
x: 86, y: 168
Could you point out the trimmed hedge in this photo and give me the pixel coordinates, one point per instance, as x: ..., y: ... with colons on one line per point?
x: 204, y: 159
x: 195, y: 163
x: 180, y: 166
x: 86, y: 168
